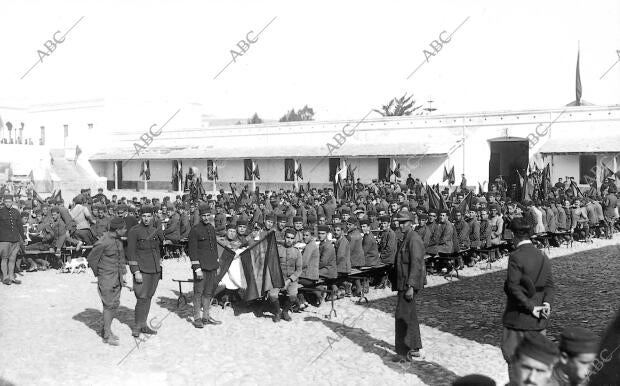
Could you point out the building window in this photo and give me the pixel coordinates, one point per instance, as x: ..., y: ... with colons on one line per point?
x: 384, y: 169
x: 66, y: 130
x: 587, y: 167
x: 334, y: 164
x: 289, y: 169
x: 247, y: 169
x: 42, y: 139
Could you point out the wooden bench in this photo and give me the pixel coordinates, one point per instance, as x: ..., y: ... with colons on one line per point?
x: 326, y: 290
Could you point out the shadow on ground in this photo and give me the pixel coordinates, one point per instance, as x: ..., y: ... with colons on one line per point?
x: 429, y: 372
x: 586, y: 295
x: 93, y: 318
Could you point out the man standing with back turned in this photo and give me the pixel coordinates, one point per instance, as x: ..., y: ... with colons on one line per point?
x: 408, y: 279
x: 529, y: 291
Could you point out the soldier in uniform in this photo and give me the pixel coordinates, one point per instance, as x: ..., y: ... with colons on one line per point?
x: 11, y: 239
x: 202, y: 246
x: 107, y: 260
x: 291, y: 263
x: 408, y: 278
x: 578, y: 350
x: 143, y: 254
x: 534, y: 360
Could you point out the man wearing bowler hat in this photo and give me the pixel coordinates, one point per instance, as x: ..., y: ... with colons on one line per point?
x: 408, y: 278
x: 143, y: 257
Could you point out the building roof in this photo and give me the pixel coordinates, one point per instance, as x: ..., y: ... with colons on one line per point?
x: 371, y: 143
x: 581, y: 145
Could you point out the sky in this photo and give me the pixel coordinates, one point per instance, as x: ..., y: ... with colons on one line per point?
x: 342, y: 58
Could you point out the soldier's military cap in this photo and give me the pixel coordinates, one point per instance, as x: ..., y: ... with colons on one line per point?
x: 384, y: 218
x: 345, y: 210
x: 335, y: 215
x: 242, y: 221
x: 423, y: 216
x: 271, y: 217
x: 404, y: 216
x: 170, y: 205
x: 146, y: 209
x: 578, y: 340
x: 203, y: 208
x: 231, y: 226
x: 364, y: 221
x: 117, y: 223
x: 444, y: 211
x: 322, y: 228
x: 122, y: 208
x: 298, y: 219
x: 536, y: 346
x: 281, y: 217
x: 353, y: 220
x: 474, y: 380
x: 432, y: 211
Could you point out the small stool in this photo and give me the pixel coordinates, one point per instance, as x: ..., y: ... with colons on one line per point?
x: 181, y: 294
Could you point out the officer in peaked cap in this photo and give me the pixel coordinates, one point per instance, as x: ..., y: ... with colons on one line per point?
x: 143, y: 257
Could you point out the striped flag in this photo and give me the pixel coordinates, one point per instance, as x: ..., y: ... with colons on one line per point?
x: 578, y: 89
x: 255, y: 170
x: 225, y: 257
x: 298, y: 170
x: 261, y: 267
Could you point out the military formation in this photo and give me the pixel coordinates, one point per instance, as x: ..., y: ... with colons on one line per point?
x: 322, y: 238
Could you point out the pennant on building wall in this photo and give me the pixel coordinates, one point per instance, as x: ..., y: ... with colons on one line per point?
x: 607, y: 172
x: 298, y: 170
x: 145, y: 170
x: 255, y: 171
x: 395, y: 168
x: 451, y: 178
x: 578, y: 89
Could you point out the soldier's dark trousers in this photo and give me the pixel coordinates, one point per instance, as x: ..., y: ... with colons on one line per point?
x: 407, y: 327
x: 203, y: 292
x: 109, y: 287
x: 144, y: 293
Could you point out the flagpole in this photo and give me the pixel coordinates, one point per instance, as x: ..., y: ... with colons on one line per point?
x: 145, y: 183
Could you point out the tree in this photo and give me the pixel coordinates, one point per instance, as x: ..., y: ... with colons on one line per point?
x: 255, y: 120
x: 304, y: 114
x: 398, y: 107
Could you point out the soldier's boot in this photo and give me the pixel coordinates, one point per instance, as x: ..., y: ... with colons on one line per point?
x: 139, y: 317
x: 301, y: 302
x: 285, y: 309
x: 275, y: 308
x: 145, y: 328
x: 381, y: 284
x: 206, y: 317
x: 347, y: 289
x: 197, y: 308
x: 108, y: 336
x: 365, y: 286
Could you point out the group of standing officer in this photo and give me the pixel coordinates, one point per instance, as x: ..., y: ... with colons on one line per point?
x: 142, y: 253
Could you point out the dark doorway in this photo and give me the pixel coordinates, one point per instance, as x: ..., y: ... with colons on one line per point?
x: 384, y: 169
x: 119, y: 173
x: 587, y: 168
x: 334, y: 164
x: 507, y: 157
